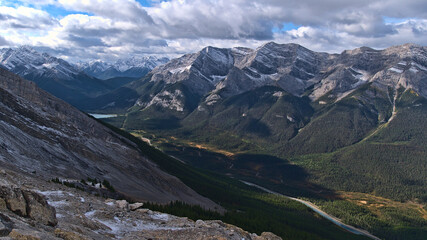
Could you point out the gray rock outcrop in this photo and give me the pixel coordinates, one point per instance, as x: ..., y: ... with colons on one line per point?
x: 28, y: 204
x: 83, y: 216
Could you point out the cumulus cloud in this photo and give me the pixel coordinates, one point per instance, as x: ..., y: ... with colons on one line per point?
x: 109, y: 29
x: 25, y: 18
x: 413, y: 31
x: 114, y: 9
x: 212, y: 19
x: 234, y: 19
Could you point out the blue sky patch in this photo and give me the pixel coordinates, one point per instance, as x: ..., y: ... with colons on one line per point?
x: 286, y: 27
x: 392, y: 20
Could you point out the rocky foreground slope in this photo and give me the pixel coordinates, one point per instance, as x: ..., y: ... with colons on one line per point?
x: 34, y: 209
x: 44, y: 136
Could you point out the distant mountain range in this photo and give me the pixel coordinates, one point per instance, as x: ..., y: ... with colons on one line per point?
x: 135, y: 67
x: 52, y: 74
x: 74, y: 83
x: 196, y: 82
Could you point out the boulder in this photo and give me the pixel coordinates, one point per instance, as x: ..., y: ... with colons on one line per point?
x: 143, y: 210
x: 39, y: 209
x: 122, y: 204
x: 17, y: 234
x: 14, y: 199
x: 135, y: 206
x: 28, y: 204
x: 269, y: 236
x: 67, y: 235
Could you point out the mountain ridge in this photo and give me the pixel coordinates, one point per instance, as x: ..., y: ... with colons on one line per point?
x: 213, y: 72
x: 52, y: 74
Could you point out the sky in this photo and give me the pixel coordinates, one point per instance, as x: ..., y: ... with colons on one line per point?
x: 110, y: 29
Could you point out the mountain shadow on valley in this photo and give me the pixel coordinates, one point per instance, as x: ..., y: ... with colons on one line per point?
x: 256, y: 127
x: 275, y: 173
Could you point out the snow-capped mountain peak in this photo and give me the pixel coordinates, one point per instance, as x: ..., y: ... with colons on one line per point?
x: 130, y: 67
x: 145, y: 61
x: 25, y: 60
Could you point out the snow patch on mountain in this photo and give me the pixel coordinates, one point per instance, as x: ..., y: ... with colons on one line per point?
x: 278, y: 94
x: 418, y: 66
x: 393, y: 69
x: 414, y: 70
x: 242, y: 51
x: 290, y: 118
x: 219, y: 56
x: 180, y: 69
x: 360, y: 74
x: 216, y: 78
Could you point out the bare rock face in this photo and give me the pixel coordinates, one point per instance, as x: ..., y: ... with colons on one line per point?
x: 28, y: 204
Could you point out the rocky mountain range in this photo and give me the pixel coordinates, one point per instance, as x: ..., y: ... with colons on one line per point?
x: 214, y: 73
x: 52, y: 74
x: 74, y: 83
x: 287, y: 101
x: 134, y: 67
x: 26, y: 61
x: 197, y: 83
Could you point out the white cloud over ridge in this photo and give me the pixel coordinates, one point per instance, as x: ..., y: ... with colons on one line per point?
x: 109, y: 29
